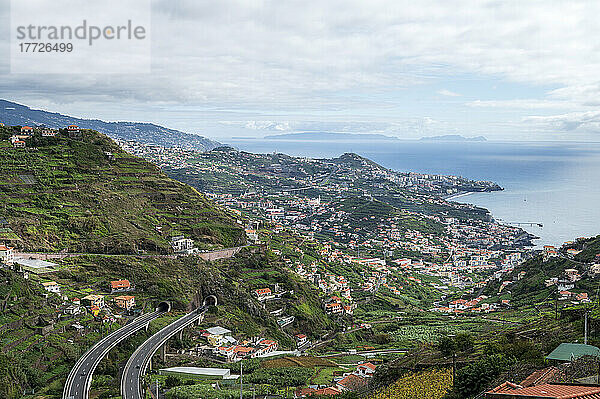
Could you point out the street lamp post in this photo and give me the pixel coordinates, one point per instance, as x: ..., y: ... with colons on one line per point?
x: 452, y: 336
x: 241, y: 379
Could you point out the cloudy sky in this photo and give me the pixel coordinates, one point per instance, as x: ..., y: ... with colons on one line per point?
x: 223, y: 68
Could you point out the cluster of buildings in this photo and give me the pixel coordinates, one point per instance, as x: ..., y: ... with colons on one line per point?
x: 329, y: 283
x: 95, y: 304
x: 475, y: 305
x: 355, y: 381
x: 218, y: 342
x: 19, y: 140
x: 298, y: 171
x: 266, y: 294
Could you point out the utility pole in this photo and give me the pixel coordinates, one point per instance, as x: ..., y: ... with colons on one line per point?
x: 585, y: 328
x: 556, y: 306
x: 157, y: 394
x: 453, y: 367
x: 241, y: 379
x: 453, y: 338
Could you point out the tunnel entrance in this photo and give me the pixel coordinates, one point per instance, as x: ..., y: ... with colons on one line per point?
x: 210, y: 300
x: 163, y: 307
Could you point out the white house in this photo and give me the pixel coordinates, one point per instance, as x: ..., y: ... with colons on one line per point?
x: 7, y: 254
x: 51, y: 286
x: 301, y: 339
x: 182, y: 245
x: 365, y: 369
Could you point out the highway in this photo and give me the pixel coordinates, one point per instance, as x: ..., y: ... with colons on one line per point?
x: 137, y: 363
x: 79, y: 380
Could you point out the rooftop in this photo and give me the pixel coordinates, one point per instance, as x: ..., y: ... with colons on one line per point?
x: 34, y: 263
x: 199, y: 371
x: 567, y: 352
x: 218, y: 330
x: 551, y: 391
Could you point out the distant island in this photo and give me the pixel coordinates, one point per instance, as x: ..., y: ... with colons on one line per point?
x: 453, y: 137
x: 332, y: 136
x: 312, y: 136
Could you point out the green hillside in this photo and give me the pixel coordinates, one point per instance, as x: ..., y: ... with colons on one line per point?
x: 530, y: 288
x: 32, y: 358
x: 87, y: 195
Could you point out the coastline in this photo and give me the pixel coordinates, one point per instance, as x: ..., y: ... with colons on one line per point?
x: 525, y: 240
x: 458, y: 195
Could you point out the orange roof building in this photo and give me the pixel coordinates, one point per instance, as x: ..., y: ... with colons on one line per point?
x: 120, y: 285
x: 329, y: 391
x: 351, y: 382
x: 125, y: 301
x: 508, y: 390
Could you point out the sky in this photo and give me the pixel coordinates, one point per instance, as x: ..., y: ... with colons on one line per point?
x: 508, y: 70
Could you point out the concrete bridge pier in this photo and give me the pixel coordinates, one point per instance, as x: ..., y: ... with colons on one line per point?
x: 163, y: 352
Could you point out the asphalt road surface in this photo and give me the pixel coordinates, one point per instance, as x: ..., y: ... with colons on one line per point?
x: 136, y: 366
x: 79, y: 380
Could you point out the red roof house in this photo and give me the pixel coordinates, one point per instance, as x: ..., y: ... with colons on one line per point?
x: 120, y: 285
x: 509, y: 390
x: 351, y: 382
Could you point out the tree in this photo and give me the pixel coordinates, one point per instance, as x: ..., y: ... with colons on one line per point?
x: 452, y: 345
x: 470, y: 380
x: 382, y: 338
x: 172, y: 381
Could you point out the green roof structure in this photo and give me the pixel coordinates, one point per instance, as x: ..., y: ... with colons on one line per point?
x: 567, y: 352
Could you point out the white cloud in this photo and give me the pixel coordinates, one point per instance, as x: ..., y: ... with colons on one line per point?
x: 530, y: 103
x: 575, y: 121
x: 448, y: 93
x: 315, y: 57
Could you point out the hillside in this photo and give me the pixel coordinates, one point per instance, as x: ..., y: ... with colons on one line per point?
x: 16, y: 114
x: 38, y: 344
x: 226, y: 171
x: 530, y: 281
x: 87, y: 195
x: 362, y: 217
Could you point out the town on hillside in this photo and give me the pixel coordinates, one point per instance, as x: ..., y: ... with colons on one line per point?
x: 345, y: 272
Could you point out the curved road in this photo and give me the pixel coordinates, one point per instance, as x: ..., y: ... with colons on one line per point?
x: 79, y: 380
x: 137, y: 363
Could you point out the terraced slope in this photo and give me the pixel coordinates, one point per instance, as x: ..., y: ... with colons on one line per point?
x: 87, y: 195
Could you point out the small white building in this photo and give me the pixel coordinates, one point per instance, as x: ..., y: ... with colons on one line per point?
x: 51, y: 286
x: 7, y: 254
x: 47, y: 132
x: 182, y: 245
x: 199, y: 373
x: 365, y: 369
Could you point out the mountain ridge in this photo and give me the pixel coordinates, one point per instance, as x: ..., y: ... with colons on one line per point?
x: 15, y: 114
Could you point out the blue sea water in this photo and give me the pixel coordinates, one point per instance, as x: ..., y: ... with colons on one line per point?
x: 553, y: 183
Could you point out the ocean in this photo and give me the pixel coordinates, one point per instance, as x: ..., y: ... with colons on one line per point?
x: 556, y: 184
